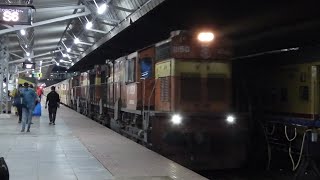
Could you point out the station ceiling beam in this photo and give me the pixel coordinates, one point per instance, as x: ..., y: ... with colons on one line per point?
x: 121, y: 8
x: 17, y: 28
x: 14, y: 54
x: 35, y: 56
x: 43, y: 10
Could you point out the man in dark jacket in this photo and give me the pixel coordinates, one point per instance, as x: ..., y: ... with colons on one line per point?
x: 54, y: 102
x: 29, y: 98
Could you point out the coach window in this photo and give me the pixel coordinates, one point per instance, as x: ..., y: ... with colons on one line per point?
x: 130, y: 71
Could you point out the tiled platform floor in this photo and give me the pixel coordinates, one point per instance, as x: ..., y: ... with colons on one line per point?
x: 77, y: 148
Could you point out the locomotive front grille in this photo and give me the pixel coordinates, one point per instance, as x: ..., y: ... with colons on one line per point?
x: 165, y: 89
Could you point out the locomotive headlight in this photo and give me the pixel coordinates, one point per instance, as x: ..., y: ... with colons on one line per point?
x: 231, y: 119
x: 205, y: 36
x: 176, y: 119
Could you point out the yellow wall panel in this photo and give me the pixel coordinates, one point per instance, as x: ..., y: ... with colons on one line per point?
x: 164, y: 69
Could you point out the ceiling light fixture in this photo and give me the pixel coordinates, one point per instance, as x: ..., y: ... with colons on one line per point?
x: 23, y: 32
x: 63, y: 55
x: 27, y: 53
x: 89, y: 25
x: 67, y: 49
x: 65, y: 61
x: 76, y: 40
x: 102, y: 8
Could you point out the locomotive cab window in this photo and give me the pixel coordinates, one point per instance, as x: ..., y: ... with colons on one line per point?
x: 130, y: 71
x: 216, y: 84
x: 190, y: 87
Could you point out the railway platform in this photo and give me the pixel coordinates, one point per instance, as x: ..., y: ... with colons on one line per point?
x: 77, y: 148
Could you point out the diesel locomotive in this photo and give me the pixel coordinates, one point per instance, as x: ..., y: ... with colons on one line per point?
x: 174, y: 97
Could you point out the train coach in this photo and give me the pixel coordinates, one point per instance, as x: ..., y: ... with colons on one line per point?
x: 174, y: 97
x: 282, y: 89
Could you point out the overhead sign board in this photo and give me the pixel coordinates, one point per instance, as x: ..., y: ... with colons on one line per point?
x: 28, y: 65
x: 16, y: 15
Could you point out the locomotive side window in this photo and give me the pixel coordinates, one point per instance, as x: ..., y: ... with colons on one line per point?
x: 304, y: 93
x: 284, y: 94
x: 164, y: 89
x: 273, y: 95
x: 107, y: 70
x: 216, y: 87
x: 190, y: 87
x: 163, y: 51
x: 130, y: 71
x: 146, y: 68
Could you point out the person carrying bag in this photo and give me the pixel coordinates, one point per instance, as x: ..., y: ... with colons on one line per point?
x: 37, y: 109
x: 17, y: 100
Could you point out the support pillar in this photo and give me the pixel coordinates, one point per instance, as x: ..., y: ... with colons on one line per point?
x: 4, y: 74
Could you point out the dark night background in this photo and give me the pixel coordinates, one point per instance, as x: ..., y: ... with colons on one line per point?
x: 253, y: 26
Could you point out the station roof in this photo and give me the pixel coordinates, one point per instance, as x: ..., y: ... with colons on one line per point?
x: 128, y: 25
x: 57, y: 23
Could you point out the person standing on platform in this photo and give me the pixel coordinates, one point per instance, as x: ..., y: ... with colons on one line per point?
x: 29, y: 97
x: 16, y: 94
x: 54, y: 102
x: 39, y: 92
